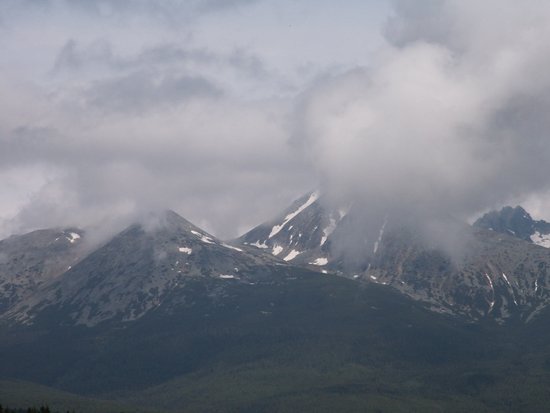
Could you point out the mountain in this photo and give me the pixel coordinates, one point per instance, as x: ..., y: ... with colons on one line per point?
x: 450, y: 266
x: 302, y: 234
x: 517, y: 222
x: 166, y: 317
x: 29, y: 261
x: 139, y: 269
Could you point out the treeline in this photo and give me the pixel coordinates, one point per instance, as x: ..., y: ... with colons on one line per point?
x: 41, y: 409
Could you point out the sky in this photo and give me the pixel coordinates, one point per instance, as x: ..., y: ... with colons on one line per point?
x: 226, y: 111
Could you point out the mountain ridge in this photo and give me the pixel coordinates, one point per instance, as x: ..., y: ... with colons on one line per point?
x: 131, y: 274
x: 483, y: 273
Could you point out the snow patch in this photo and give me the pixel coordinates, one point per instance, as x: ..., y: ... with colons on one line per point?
x: 380, y: 235
x: 204, y: 238
x: 232, y: 247
x: 320, y: 261
x: 257, y: 244
x: 72, y: 237
x: 542, y: 240
x: 185, y: 250
x: 511, y: 289
x: 342, y: 212
x: 291, y: 255
x: 328, y: 230
x: 492, y: 302
x: 277, y: 228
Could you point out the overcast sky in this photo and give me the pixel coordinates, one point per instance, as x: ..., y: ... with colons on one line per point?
x: 227, y: 110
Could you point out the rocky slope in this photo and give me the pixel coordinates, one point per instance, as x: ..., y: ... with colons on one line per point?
x: 517, y: 222
x: 29, y: 261
x: 472, y: 272
x: 139, y: 268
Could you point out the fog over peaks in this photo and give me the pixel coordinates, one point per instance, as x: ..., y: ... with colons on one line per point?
x: 449, y: 119
x: 227, y: 111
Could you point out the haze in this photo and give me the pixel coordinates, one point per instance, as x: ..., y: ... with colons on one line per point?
x: 226, y: 111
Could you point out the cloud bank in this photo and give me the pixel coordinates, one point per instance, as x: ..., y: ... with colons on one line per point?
x: 449, y: 119
x: 226, y: 111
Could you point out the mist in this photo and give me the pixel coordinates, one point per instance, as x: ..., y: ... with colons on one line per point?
x: 227, y: 111
x: 449, y: 120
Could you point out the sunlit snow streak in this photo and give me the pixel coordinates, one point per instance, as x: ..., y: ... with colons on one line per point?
x: 73, y: 236
x: 380, y: 235
x: 492, y: 303
x: 320, y: 261
x: 328, y: 230
x: 291, y: 255
x: 257, y: 244
x: 511, y: 288
x: 542, y: 240
x: 312, y: 198
x: 203, y: 237
x: 232, y: 247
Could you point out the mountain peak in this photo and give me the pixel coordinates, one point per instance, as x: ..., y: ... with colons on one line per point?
x: 166, y: 220
x: 514, y: 221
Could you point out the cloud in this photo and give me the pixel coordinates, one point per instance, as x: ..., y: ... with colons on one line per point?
x: 212, y: 161
x: 167, y: 9
x: 190, y: 106
x: 450, y: 119
x: 141, y: 90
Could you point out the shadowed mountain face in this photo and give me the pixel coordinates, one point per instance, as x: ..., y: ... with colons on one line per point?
x: 489, y: 273
x: 517, y: 222
x: 29, y: 261
x: 135, y: 271
x: 452, y: 267
x: 166, y: 316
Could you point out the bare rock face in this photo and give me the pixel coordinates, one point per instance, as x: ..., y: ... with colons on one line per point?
x: 29, y: 261
x: 518, y: 223
x: 477, y: 272
x: 488, y: 270
x: 140, y: 269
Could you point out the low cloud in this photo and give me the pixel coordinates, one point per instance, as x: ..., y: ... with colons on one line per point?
x: 448, y: 117
x: 451, y: 118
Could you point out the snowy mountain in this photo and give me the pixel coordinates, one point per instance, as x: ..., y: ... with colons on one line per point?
x: 498, y: 273
x: 141, y: 268
x: 302, y: 234
x: 166, y: 315
x: 517, y: 222
x: 486, y: 274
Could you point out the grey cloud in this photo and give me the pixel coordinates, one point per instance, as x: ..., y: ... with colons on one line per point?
x: 74, y: 58
x: 214, y: 163
x: 128, y: 6
x: 141, y: 91
x: 449, y: 121
x: 71, y: 58
x: 419, y: 21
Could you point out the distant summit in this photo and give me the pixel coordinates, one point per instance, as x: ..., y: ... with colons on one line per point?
x: 518, y: 223
x: 147, y: 265
x: 482, y: 274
